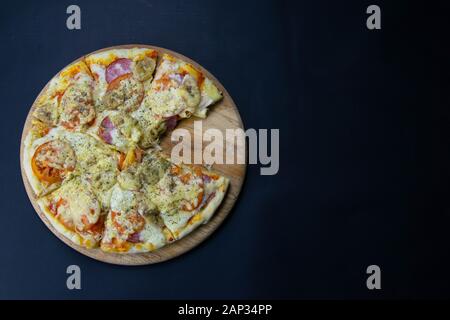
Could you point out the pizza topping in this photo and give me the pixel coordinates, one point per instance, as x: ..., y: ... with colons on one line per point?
x: 47, y: 113
x: 190, y: 205
x: 190, y: 91
x: 53, y: 207
x: 137, y: 221
x: 119, y: 130
x: 124, y: 92
x: 78, y: 207
x: 175, y: 170
x: 206, y: 178
x: 193, y: 181
x: 174, y: 93
x: 177, y: 77
x: 134, y: 155
x: 53, y: 160
x: 167, y: 81
x: 209, y: 177
x: 171, y: 122
x: 134, y: 238
x: 117, y: 68
x: 129, y: 179
x: 77, y: 106
x: 179, y: 189
x: 85, y: 214
x: 193, y: 72
x: 153, y: 130
x: 152, y: 169
x: 103, y: 177
x: 38, y: 128
x: 105, y: 130
x: 127, y: 223
x: 144, y: 68
x: 207, y: 200
x: 98, y: 227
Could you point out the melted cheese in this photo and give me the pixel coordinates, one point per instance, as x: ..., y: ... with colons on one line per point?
x: 124, y: 203
x: 73, y: 209
x: 146, y: 191
x: 98, y: 62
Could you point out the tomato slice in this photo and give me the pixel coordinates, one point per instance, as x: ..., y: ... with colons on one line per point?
x: 105, y: 129
x: 52, y: 160
x: 117, y: 69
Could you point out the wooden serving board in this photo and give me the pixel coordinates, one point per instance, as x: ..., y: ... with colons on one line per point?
x: 223, y: 115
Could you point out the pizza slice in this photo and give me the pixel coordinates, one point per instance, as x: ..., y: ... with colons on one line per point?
x: 121, y: 76
x: 59, y: 155
x: 178, y: 91
x: 133, y: 224
x: 75, y: 212
x: 67, y: 101
x: 75, y: 202
x: 187, y: 197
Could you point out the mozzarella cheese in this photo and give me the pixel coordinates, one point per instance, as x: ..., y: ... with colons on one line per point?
x: 186, y: 200
x: 74, y: 210
x: 174, y: 90
x: 127, y: 207
x: 98, y: 63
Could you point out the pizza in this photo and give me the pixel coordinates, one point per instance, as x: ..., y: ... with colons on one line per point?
x: 92, y: 154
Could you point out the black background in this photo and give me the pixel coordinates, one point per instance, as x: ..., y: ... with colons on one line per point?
x: 364, y: 153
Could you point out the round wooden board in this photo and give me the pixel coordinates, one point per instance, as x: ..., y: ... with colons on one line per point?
x: 223, y: 115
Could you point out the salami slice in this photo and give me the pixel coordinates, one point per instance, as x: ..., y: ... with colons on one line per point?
x: 105, y: 130
x: 117, y: 68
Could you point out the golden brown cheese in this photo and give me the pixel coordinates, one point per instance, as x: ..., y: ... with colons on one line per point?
x: 75, y: 210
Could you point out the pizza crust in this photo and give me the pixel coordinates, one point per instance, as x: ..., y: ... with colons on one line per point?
x: 76, y: 238
x: 206, y: 213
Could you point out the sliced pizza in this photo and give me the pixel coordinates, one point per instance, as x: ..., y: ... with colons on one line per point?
x: 132, y: 224
x: 187, y: 197
x: 75, y: 212
x: 121, y: 77
x: 48, y: 161
x: 68, y: 100
x: 59, y: 155
x: 180, y: 89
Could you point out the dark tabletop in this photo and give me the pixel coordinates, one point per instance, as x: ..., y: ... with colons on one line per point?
x: 364, y: 153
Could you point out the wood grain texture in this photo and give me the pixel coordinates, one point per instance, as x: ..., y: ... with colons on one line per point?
x: 223, y: 115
